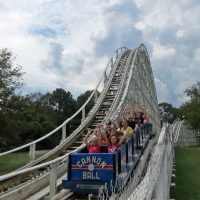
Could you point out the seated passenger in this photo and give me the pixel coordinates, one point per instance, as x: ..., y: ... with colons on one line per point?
x: 108, y: 130
x: 127, y: 130
x: 132, y: 123
x: 112, y: 143
x: 119, y: 134
x: 139, y: 118
x: 94, y: 146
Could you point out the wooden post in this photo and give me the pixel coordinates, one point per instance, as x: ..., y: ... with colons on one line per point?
x: 63, y: 133
x: 111, y: 62
x: 95, y: 96
x: 32, y: 151
x: 53, y: 179
x: 83, y: 114
x: 105, y: 77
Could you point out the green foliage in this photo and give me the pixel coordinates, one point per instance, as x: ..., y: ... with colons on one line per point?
x: 35, y: 115
x: 168, y: 113
x: 191, y: 109
x: 194, y: 92
x: 10, y: 78
x: 62, y: 104
x: 82, y: 98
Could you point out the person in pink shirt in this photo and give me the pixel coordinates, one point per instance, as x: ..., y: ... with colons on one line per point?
x: 94, y: 146
x: 113, y: 144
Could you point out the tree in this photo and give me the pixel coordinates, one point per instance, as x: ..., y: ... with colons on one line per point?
x: 194, y: 92
x: 10, y: 102
x: 191, y: 108
x: 62, y: 104
x: 168, y: 113
x: 10, y: 77
x: 82, y: 98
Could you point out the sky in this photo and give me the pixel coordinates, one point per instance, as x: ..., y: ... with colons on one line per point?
x: 67, y: 43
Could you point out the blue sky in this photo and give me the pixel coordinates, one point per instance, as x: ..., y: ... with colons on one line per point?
x: 67, y: 43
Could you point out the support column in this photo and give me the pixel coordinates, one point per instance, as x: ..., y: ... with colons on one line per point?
x: 96, y: 96
x: 53, y: 179
x: 83, y: 114
x: 32, y: 151
x: 105, y: 77
x: 63, y: 133
x: 111, y: 62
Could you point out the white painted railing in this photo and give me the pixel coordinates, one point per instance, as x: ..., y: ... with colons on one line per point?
x: 107, y: 71
x: 188, y: 136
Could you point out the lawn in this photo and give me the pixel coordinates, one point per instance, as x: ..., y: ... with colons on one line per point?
x: 187, y: 174
x: 13, y: 161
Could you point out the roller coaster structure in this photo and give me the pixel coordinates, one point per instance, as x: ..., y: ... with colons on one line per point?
x: 127, y: 81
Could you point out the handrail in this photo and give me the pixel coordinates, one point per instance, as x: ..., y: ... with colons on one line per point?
x: 116, y: 52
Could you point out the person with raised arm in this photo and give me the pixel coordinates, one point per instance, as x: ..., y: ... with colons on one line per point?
x: 94, y: 146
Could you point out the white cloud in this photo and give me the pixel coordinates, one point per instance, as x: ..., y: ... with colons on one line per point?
x: 180, y: 33
x: 162, y: 90
x: 159, y: 51
x: 68, y: 43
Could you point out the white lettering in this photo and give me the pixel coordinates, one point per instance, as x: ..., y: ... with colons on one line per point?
x: 88, y: 159
x: 84, y: 175
x: 98, y: 161
x: 91, y: 160
x: 83, y: 160
x: 79, y: 164
x: 91, y: 176
x: 103, y: 164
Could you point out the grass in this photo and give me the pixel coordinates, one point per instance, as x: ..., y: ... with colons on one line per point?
x: 187, y: 174
x: 13, y: 161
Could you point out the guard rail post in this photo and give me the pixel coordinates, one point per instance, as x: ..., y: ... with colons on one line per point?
x: 95, y: 96
x: 53, y: 179
x: 83, y: 114
x: 32, y: 151
x: 111, y: 62
x: 105, y: 77
x: 63, y: 132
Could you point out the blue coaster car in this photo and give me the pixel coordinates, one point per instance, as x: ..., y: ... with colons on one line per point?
x: 87, y: 173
